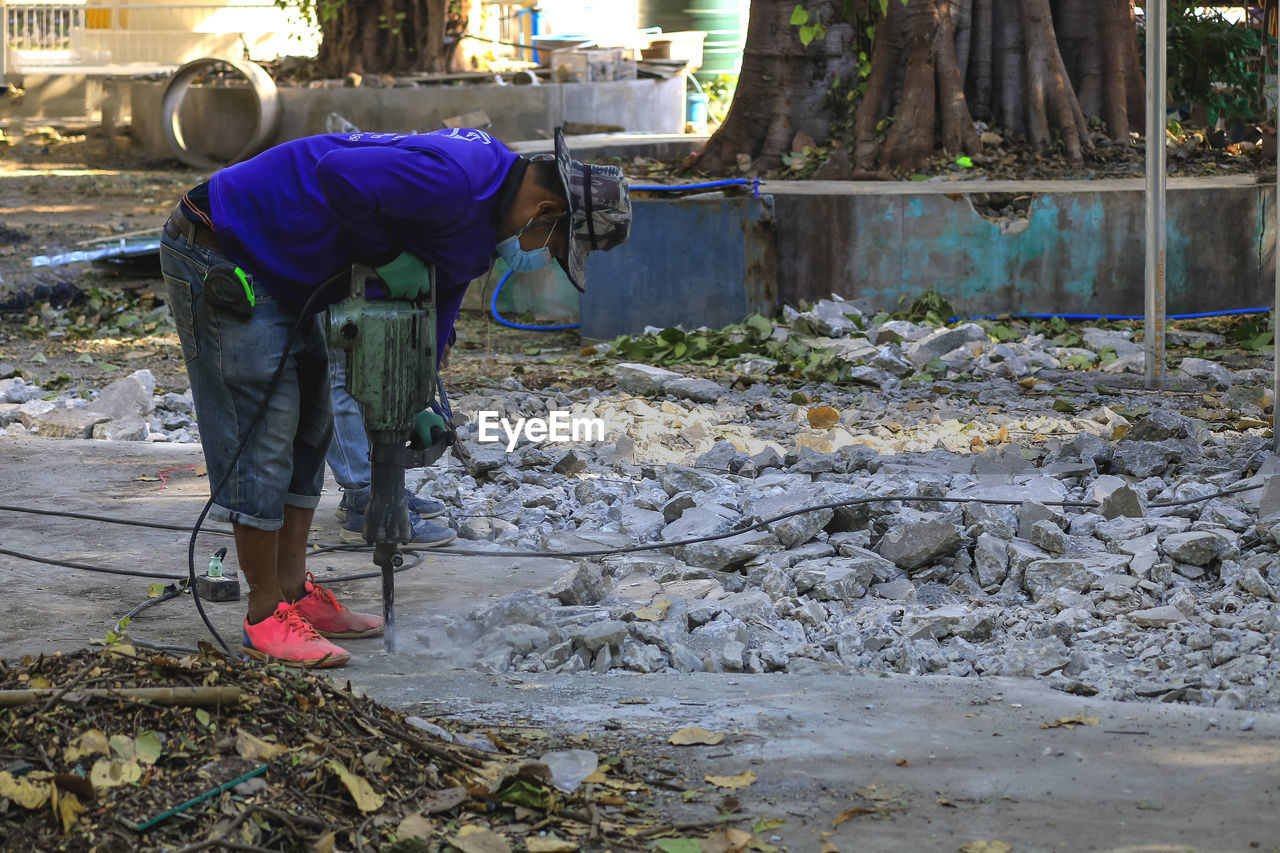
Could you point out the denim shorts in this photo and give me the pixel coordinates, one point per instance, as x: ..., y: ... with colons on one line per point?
x: 230, y: 361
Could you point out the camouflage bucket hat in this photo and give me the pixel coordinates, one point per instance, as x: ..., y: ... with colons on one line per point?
x: 599, y: 210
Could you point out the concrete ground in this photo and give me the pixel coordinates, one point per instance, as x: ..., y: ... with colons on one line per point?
x: 963, y: 760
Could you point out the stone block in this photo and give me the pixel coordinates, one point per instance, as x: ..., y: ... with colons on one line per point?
x: 912, y: 545
x: 67, y: 423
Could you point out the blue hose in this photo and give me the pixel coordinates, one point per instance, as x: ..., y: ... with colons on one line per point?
x: 672, y: 188
x: 1199, y: 316
x: 493, y: 309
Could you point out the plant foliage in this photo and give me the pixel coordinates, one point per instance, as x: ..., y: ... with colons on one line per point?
x: 1210, y: 62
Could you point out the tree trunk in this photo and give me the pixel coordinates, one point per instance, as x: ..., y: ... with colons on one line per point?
x: 958, y: 133
x: 978, y: 80
x: 1080, y: 34
x: 962, y: 25
x: 382, y: 37
x: 782, y: 86
x: 875, y: 102
x: 1049, y: 95
x: 1007, y: 49
x: 1020, y: 66
x: 1135, y: 85
x: 910, y: 140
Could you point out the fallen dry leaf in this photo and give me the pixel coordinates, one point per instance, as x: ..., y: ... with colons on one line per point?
x: 109, y: 773
x: 878, y: 793
x: 69, y: 810
x: 740, y: 780
x: 863, y: 810
x: 1071, y: 722
x: 477, y: 839
x: 254, y: 748
x: 92, y: 742
x: 695, y: 735
x: 828, y: 847
x: 985, y: 847
x: 902, y: 762
x: 375, y: 762
x: 415, y: 827
x: 124, y: 747
x: 655, y: 612
x: 727, y: 840
x: 365, y: 797
x: 434, y: 802
x: 549, y: 844
x: 148, y: 747
x: 28, y: 792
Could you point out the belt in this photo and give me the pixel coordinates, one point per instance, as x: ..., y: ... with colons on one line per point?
x: 178, y: 225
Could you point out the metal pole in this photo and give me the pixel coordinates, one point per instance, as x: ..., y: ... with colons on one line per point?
x: 1275, y: 307
x: 1154, y: 312
x: 4, y: 41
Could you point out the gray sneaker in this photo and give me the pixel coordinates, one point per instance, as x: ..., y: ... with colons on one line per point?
x: 424, y: 507
x: 425, y: 534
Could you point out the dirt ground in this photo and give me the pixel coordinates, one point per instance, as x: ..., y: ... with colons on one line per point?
x: 845, y: 763
x: 842, y: 761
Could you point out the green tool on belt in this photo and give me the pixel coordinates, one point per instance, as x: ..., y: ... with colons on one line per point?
x: 390, y: 347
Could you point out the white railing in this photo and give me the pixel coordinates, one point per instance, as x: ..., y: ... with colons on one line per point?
x: 119, y: 32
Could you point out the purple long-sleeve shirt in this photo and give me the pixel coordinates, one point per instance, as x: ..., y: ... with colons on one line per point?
x: 297, y: 214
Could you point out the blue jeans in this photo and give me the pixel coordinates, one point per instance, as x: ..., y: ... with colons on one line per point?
x: 348, y: 454
x: 230, y: 361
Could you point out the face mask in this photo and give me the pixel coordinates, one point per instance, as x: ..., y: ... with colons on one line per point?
x: 523, y: 260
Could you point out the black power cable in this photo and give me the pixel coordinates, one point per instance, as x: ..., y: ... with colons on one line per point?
x: 657, y: 546
x: 66, y: 564
x: 174, y: 590
x: 654, y: 546
x: 84, y: 516
x: 303, y: 318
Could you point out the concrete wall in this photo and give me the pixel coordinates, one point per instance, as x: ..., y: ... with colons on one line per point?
x: 218, y: 121
x: 52, y: 96
x: 1081, y: 250
x: 702, y: 260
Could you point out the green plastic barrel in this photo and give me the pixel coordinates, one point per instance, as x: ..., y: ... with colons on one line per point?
x: 669, y: 15
x: 725, y: 23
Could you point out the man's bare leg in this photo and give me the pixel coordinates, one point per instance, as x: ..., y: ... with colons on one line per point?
x: 256, y: 553
x: 291, y: 552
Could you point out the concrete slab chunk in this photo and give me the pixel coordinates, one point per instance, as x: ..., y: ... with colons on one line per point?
x: 1157, y: 617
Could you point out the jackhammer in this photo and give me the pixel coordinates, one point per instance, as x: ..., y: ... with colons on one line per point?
x: 390, y: 347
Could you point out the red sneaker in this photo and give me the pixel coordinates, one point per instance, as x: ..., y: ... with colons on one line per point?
x: 287, y: 637
x: 330, y: 618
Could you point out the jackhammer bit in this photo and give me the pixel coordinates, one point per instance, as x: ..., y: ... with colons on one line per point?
x: 390, y: 347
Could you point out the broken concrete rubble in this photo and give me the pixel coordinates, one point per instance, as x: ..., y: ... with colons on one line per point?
x: 923, y: 586
x: 1082, y: 580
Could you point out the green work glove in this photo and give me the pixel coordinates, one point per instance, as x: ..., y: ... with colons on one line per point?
x: 407, y: 277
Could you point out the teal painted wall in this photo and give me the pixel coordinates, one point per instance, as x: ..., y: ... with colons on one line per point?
x: 1077, y: 252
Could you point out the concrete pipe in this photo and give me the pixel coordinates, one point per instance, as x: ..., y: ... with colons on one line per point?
x: 265, y: 95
